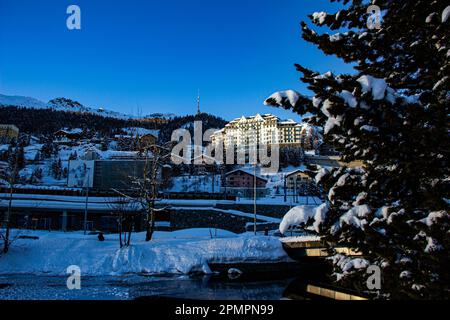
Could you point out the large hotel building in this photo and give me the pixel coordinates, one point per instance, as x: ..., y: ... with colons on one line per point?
x: 267, y: 129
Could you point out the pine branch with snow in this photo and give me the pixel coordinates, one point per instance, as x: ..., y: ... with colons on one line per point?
x: 393, y: 115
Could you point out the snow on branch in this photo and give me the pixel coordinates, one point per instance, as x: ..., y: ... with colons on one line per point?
x: 348, y: 265
x: 356, y: 216
x: 445, y: 14
x: 319, y: 17
x: 434, y: 217
x: 375, y: 85
x: 304, y: 215
x: 281, y: 97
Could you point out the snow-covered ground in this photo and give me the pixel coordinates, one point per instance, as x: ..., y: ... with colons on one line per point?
x: 279, y: 200
x: 179, y: 252
x: 200, y: 183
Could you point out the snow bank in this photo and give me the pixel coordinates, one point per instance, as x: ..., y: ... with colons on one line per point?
x: 169, y: 253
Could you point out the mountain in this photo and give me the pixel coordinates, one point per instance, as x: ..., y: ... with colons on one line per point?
x: 19, y: 101
x: 64, y: 104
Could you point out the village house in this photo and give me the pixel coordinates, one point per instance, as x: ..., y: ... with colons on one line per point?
x: 299, y: 182
x: 68, y: 136
x: 241, y: 182
x: 8, y: 132
x: 136, y: 139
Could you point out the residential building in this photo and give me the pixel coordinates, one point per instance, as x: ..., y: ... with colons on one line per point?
x: 268, y: 130
x: 299, y: 182
x: 68, y: 135
x: 241, y: 182
x: 105, y: 175
x: 8, y: 132
x: 136, y: 138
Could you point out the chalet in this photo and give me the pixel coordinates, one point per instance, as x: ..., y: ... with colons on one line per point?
x: 68, y: 135
x: 8, y: 132
x: 148, y: 139
x: 298, y: 180
x: 136, y: 138
x: 241, y: 182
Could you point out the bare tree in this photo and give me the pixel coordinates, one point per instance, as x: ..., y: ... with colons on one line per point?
x: 8, y: 176
x: 146, y: 187
x: 125, y: 209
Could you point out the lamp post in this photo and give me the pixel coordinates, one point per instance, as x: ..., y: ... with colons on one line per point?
x: 254, y: 200
x: 87, y: 199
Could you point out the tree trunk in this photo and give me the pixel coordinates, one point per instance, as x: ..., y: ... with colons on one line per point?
x: 130, y: 229
x: 120, y: 231
x: 7, y: 221
x: 150, y: 224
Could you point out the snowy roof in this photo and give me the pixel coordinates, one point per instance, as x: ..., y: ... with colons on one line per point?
x: 294, y: 172
x: 71, y: 131
x: 257, y: 116
x: 138, y: 131
x: 9, y: 126
x: 289, y: 121
x: 249, y: 171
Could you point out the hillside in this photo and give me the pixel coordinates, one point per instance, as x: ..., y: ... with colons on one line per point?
x: 47, y: 121
x: 187, y: 122
x: 64, y: 104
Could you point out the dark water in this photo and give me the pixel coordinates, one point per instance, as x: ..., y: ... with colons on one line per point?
x: 27, y: 287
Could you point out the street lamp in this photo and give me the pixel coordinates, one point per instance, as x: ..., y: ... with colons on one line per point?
x: 254, y: 200
x: 87, y: 198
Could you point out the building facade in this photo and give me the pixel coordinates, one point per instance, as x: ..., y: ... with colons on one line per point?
x: 241, y: 183
x: 105, y: 175
x: 8, y: 132
x: 267, y: 130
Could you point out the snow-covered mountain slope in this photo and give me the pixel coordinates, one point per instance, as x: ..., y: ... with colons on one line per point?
x: 21, y: 101
x: 161, y: 115
x: 64, y: 104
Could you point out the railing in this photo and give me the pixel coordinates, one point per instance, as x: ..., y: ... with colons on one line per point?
x: 111, y: 194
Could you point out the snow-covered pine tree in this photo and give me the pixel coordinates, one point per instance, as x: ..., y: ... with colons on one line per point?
x: 393, y: 114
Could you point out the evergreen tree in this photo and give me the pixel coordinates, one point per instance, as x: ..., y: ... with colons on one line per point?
x: 57, y: 169
x: 393, y: 114
x: 48, y: 148
x: 20, y: 158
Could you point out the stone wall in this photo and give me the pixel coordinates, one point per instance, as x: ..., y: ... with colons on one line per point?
x: 275, y: 211
x: 194, y: 218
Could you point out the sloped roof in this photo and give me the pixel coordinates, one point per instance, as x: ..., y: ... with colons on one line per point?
x: 247, y: 171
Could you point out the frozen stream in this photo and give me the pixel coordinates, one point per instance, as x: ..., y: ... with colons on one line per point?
x: 27, y: 287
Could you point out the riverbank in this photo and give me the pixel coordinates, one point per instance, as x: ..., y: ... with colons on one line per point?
x: 179, y: 252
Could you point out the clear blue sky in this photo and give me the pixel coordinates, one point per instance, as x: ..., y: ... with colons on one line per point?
x: 156, y: 54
